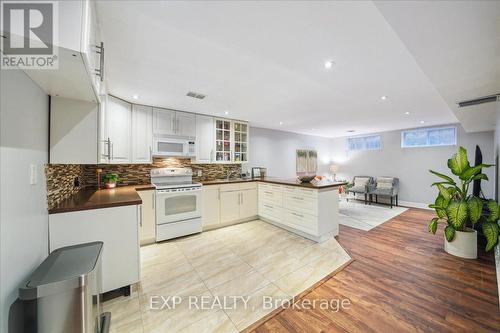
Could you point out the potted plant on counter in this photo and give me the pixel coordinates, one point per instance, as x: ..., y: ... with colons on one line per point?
x: 460, y: 211
x: 110, y: 180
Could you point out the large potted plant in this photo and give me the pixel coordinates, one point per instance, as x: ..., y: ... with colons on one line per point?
x: 460, y: 211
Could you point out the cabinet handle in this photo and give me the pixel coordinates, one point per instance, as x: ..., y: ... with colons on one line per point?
x: 298, y: 198
x: 269, y: 206
x: 241, y: 198
x: 177, y: 126
x: 112, y: 150
x: 212, y: 155
x: 150, y: 154
x: 299, y: 215
x: 267, y: 192
x: 173, y: 125
x: 100, y: 71
x: 140, y: 215
x: 153, y: 199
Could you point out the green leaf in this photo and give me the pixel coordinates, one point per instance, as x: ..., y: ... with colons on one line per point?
x: 458, y: 163
x: 443, y: 191
x: 490, y: 231
x: 433, y: 225
x: 475, y: 207
x: 494, y: 211
x: 471, y: 172
x: 445, y: 177
x: 440, y: 206
x: 449, y: 233
x: 481, y: 176
x: 457, y: 214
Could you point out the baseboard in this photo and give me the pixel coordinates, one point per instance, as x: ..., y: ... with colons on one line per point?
x: 414, y: 204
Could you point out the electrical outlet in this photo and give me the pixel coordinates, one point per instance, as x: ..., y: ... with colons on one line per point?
x: 200, y: 173
x: 33, y: 174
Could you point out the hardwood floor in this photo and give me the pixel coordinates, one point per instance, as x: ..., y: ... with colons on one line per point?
x: 401, y: 280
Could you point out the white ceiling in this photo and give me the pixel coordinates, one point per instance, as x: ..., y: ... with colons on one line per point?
x: 264, y: 62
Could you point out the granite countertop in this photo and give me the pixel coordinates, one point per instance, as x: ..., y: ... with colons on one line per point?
x: 91, y: 198
x: 273, y: 180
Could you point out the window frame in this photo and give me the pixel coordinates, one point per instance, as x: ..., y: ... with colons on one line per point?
x: 364, y: 142
x: 428, y: 145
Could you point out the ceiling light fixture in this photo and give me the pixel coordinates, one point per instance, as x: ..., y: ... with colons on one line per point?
x: 135, y: 97
x: 422, y: 122
x: 383, y: 98
x: 281, y: 123
x: 407, y: 113
x: 226, y: 112
x: 329, y: 64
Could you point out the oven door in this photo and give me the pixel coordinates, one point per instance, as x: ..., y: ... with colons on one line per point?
x: 175, y: 205
x: 169, y: 147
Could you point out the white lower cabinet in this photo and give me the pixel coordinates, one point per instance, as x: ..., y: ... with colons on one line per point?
x: 229, y: 203
x: 312, y: 213
x: 117, y: 227
x: 147, y: 222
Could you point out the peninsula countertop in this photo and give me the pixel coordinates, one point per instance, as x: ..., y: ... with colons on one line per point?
x: 92, y: 198
x: 274, y: 180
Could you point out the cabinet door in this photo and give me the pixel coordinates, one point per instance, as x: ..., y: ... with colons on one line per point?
x: 91, y: 42
x: 185, y: 124
x: 204, y: 139
x: 142, y: 134
x: 210, y: 208
x: 163, y: 121
x: 147, y: 225
x: 248, y: 206
x: 229, y: 206
x: 222, y: 140
x: 240, y: 151
x: 118, y: 117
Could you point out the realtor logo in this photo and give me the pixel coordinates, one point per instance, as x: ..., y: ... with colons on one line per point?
x: 29, y: 34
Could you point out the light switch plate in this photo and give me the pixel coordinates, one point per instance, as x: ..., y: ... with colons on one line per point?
x: 33, y: 174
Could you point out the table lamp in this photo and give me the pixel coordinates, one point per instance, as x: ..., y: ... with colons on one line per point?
x: 334, y: 168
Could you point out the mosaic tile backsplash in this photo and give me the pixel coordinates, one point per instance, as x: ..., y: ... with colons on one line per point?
x: 60, y: 177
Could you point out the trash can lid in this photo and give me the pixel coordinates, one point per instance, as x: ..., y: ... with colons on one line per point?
x: 64, y: 269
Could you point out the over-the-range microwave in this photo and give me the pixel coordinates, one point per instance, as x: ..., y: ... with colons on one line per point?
x: 173, y: 147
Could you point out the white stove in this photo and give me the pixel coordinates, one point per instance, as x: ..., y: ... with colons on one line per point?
x: 178, y: 203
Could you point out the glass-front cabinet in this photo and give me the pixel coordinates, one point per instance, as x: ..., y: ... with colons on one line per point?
x: 231, y: 141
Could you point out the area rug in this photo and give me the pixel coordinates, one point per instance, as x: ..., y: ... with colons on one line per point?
x: 366, y: 217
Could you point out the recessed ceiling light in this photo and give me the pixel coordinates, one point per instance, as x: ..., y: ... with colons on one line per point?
x: 407, y: 113
x: 135, y: 97
x: 329, y: 64
x: 422, y: 122
x: 383, y: 98
x: 281, y: 123
x: 226, y: 112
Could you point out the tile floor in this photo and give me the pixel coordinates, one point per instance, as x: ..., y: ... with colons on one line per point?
x: 252, y: 259
x: 357, y: 215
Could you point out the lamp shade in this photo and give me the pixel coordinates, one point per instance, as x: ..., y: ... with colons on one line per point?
x: 334, y: 168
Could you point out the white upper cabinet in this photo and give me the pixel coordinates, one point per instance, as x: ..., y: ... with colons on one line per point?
x: 185, y: 124
x: 142, y: 133
x: 80, y: 55
x: 204, y: 139
x: 163, y: 121
x: 231, y: 141
x: 118, y: 118
x: 173, y: 123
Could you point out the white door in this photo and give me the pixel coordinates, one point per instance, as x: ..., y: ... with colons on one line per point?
x: 185, y: 124
x: 147, y: 223
x: 248, y: 203
x: 210, y: 215
x: 118, y: 118
x: 163, y: 121
x: 229, y: 206
x: 142, y: 134
x: 204, y: 139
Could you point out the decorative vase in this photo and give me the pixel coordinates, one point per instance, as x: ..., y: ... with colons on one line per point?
x: 464, y: 245
x: 110, y: 185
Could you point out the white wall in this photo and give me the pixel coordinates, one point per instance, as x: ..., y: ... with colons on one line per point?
x: 276, y: 151
x: 24, y: 116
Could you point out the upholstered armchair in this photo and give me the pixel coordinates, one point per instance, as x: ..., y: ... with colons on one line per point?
x: 385, y: 187
x: 362, y: 185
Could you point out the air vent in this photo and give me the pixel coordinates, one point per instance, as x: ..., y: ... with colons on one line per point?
x: 195, y: 95
x: 480, y: 100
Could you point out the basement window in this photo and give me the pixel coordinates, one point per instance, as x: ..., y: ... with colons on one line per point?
x: 429, y: 137
x: 370, y: 142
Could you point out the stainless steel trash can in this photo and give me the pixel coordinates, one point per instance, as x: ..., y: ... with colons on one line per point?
x: 62, y: 294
